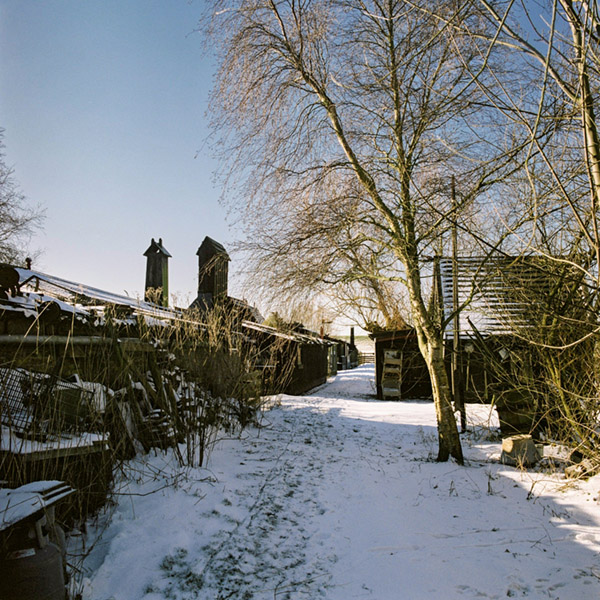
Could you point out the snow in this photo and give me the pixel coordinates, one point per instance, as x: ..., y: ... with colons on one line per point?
x: 23, y: 502
x: 19, y: 445
x: 30, y: 303
x: 70, y: 290
x: 338, y: 496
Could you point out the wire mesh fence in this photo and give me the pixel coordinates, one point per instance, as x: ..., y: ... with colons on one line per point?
x: 36, y: 404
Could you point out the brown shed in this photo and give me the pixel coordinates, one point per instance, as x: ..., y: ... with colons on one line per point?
x: 401, y: 372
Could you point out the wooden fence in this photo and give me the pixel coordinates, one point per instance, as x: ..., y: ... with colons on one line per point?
x: 366, y: 357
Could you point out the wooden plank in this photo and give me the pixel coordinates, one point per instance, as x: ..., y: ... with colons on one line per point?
x: 52, y: 453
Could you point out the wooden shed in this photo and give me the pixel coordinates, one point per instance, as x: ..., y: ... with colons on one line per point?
x: 346, y: 354
x: 401, y: 372
x: 501, y: 300
x: 293, y: 362
x: 506, y: 313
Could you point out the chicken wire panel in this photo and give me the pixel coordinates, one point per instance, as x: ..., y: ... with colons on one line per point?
x: 31, y: 401
x: 15, y: 409
x: 64, y: 405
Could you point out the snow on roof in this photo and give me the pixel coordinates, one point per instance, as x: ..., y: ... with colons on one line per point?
x: 31, y: 303
x: 72, y: 292
x: 292, y: 336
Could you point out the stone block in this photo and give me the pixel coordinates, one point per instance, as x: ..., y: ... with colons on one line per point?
x: 519, y: 451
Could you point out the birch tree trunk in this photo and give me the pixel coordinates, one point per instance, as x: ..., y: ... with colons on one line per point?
x: 431, y: 345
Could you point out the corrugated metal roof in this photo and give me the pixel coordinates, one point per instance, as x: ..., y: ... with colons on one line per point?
x: 498, y: 292
x: 72, y: 292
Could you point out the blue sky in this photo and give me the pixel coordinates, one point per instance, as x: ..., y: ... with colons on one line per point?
x: 103, y: 104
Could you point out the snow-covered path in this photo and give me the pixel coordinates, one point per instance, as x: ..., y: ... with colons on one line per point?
x: 337, y: 497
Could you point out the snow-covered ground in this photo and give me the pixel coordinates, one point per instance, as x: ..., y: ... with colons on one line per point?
x: 337, y: 496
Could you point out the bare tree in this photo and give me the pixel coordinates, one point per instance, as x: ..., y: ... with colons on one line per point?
x: 325, y: 251
x: 551, y: 211
x: 553, y: 51
x: 352, y: 116
x: 314, y: 317
x: 559, y: 41
x: 17, y: 220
